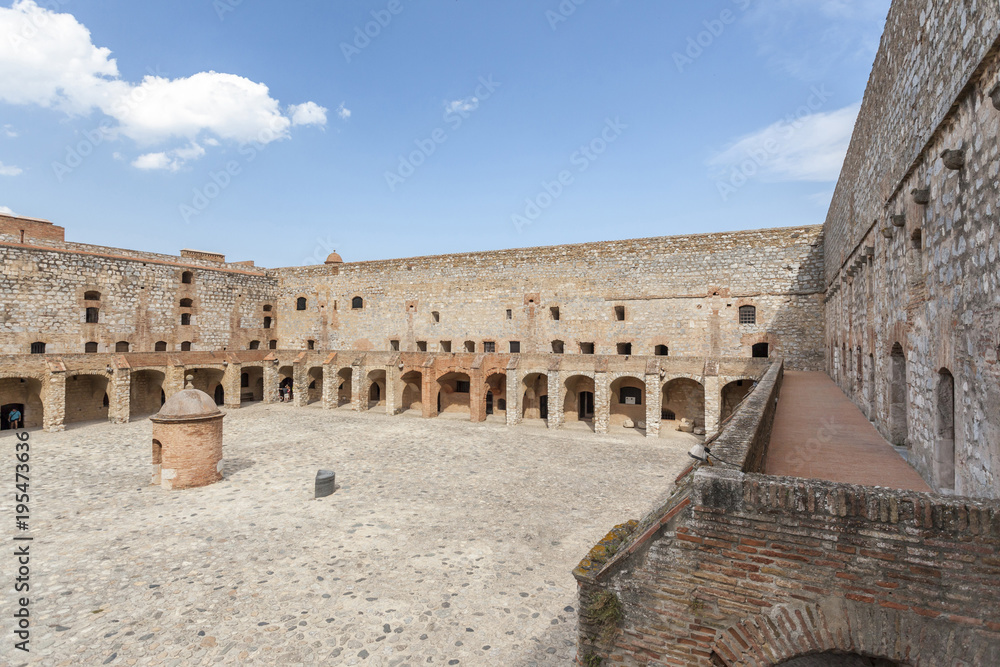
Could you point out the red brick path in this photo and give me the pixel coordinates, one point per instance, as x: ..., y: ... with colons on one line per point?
x: 820, y: 434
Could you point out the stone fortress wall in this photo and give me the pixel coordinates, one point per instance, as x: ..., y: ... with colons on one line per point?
x: 683, y: 293
x: 913, y: 246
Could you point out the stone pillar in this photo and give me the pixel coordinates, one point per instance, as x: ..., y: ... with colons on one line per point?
x: 173, y: 380
x: 391, y: 385
x: 331, y: 381
x: 270, y: 382
x: 556, y: 416
x: 300, y: 385
x: 119, y: 396
x: 602, y: 402
x: 513, y: 397
x: 54, y: 401
x: 231, y: 385
x: 428, y: 393
x: 654, y: 405
x: 358, y: 390
x: 477, y: 395
x: 713, y: 404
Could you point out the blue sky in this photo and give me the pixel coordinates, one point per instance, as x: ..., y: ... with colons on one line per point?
x: 390, y: 128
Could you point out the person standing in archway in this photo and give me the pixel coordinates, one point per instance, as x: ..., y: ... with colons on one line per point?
x: 14, y: 417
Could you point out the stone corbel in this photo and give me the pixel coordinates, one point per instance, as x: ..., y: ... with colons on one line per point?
x: 898, y: 220
x: 995, y: 95
x: 922, y: 197
x: 954, y: 159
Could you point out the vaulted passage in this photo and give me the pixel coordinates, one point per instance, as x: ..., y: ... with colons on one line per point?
x: 684, y: 398
x: 535, y: 396
x: 412, y: 391
x: 146, y: 393
x: 579, y: 402
x: 25, y: 395
x: 453, y: 394
x: 86, y: 398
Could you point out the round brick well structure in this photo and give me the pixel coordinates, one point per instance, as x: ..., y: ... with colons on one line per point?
x: 187, y: 441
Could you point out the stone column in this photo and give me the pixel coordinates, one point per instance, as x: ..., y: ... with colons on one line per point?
x: 713, y: 404
x: 391, y: 385
x: 358, y: 390
x: 654, y: 405
x: 119, y: 396
x: 428, y: 393
x: 513, y: 397
x: 477, y: 395
x: 270, y: 382
x: 232, y: 386
x: 300, y: 385
x: 331, y: 381
x: 556, y: 416
x: 602, y: 402
x: 54, y: 401
x: 173, y: 380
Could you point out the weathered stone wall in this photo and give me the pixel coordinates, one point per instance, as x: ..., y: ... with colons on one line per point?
x: 913, y: 249
x: 681, y: 292
x: 42, y: 299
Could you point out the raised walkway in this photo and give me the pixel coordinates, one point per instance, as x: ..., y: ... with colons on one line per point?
x: 820, y: 434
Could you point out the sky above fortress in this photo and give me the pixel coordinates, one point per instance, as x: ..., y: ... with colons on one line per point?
x: 278, y: 131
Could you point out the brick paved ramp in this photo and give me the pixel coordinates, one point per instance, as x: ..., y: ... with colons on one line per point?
x: 820, y: 434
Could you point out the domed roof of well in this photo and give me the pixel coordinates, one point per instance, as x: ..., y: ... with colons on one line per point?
x: 187, y: 404
x: 334, y: 258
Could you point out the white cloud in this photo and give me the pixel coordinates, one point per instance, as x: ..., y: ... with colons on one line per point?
x: 809, y: 148
x: 309, y: 113
x: 47, y: 59
x: 170, y: 160
x: 462, y: 106
x: 9, y: 131
x: 6, y: 210
x: 9, y: 170
x: 343, y: 112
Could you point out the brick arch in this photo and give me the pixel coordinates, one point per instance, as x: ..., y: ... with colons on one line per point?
x: 786, y: 632
x: 897, y: 334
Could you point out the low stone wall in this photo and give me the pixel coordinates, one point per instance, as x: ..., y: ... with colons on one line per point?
x: 741, y: 568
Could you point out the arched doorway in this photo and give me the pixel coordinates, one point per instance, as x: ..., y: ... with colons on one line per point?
x: 208, y: 380
x: 628, y: 401
x: 535, y: 397
x: 898, y: 427
x: 832, y: 659
x: 496, y: 396
x: 412, y: 391
x: 376, y: 389
x: 315, y: 379
x: 344, y: 385
x: 145, y: 392
x: 684, y: 398
x: 578, y: 404
x: 454, y: 394
x: 220, y: 395
x: 26, y: 395
x: 85, y: 398
x: 286, y: 383
x: 732, y: 394
x: 945, y: 423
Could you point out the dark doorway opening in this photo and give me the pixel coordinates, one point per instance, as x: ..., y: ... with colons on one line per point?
x: 543, y: 407
x: 220, y: 395
x: 761, y: 351
x: 586, y: 405
x: 489, y: 402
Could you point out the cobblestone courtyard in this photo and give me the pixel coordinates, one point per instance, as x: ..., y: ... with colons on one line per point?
x: 447, y: 543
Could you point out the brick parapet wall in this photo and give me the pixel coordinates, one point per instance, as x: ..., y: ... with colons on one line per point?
x: 742, y: 568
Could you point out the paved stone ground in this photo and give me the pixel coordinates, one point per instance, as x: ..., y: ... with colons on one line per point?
x: 447, y: 543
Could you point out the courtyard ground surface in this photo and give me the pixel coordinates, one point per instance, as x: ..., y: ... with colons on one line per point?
x: 446, y: 543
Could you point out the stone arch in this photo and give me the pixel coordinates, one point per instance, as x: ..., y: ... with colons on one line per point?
x: 579, y: 396
x: 411, y: 391
x: 534, y: 387
x: 146, y: 392
x: 373, y: 394
x: 85, y: 397
x: 345, y: 382
x: 26, y: 393
x: 626, y: 388
x: 206, y: 379
x: 453, y: 393
x: 684, y: 398
x: 731, y: 395
x: 784, y: 635
x: 314, y: 378
x: 495, y: 394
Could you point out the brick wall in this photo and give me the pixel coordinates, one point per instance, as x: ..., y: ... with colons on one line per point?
x: 740, y: 568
